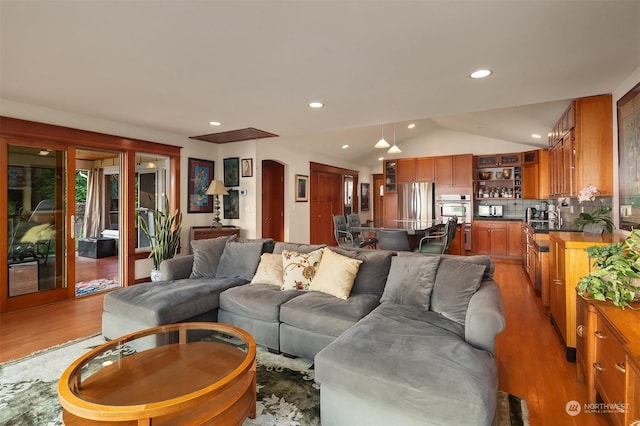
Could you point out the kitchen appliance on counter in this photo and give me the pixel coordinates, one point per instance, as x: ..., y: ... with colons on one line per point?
x: 459, y: 206
x: 490, y: 211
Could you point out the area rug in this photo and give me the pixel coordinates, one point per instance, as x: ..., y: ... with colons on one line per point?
x: 287, y: 393
x: 89, y: 287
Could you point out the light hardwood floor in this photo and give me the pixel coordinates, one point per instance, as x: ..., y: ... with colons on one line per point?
x: 530, y: 358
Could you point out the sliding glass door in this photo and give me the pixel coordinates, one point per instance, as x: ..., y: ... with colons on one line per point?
x: 36, y: 224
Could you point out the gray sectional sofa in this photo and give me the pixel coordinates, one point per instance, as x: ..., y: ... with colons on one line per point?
x: 412, y: 343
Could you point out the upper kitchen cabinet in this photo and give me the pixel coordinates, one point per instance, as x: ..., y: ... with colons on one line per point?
x: 415, y: 169
x: 454, y: 171
x: 390, y: 169
x: 535, y: 174
x: 498, y: 160
x: 581, y: 148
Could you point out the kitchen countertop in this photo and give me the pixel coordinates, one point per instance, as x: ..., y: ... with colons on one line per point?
x: 538, y: 227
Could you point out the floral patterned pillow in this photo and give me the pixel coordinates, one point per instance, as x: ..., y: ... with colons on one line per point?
x: 299, y: 269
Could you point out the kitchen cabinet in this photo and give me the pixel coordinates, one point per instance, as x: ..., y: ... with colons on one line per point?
x: 390, y: 210
x: 535, y: 175
x: 489, y: 237
x: 457, y: 245
x: 514, y: 239
x: 568, y: 262
x: 502, y: 183
x: 581, y: 148
x: 415, y: 169
x: 608, y: 357
x: 390, y: 168
x: 498, y: 160
x: 454, y: 171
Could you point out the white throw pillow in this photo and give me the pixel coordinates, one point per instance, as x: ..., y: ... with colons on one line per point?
x: 299, y: 269
x: 269, y: 270
x: 336, y: 274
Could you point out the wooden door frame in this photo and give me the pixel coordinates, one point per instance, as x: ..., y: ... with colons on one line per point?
x: 280, y: 188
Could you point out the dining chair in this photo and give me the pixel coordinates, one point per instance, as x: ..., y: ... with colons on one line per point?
x: 353, y: 221
x: 389, y: 239
x: 345, y: 238
x: 439, y: 242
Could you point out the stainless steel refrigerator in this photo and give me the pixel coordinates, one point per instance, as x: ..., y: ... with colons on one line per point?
x: 416, y: 204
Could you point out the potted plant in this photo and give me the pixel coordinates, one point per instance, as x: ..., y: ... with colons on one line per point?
x: 616, y: 274
x: 596, y: 221
x: 165, y: 238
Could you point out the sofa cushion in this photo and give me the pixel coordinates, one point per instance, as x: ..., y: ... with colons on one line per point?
x: 269, y: 270
x: 326, y: 314
x: 298, y: 269
x: 372, y: 275
x: 240, y: 259
x: 168, y: 302
x: 411, y: 281
x: 267, y: 243
x: 456, y: 282
x: 256, y: 301
x: 479, y: 259
x: 420, y: 358
x: 280, y: 246
x: 206, y: 256
x: 335, y: 274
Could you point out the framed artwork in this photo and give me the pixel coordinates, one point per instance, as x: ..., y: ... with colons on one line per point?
x: 247, y: 167
x: 302, y: 188
x: 364, y: 197
x: 231, y: 172
x: 231, y: 204
x: 628, y: 109
x: 200, y: 175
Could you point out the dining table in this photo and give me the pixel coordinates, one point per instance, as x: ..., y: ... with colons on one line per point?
x: 415, y: 229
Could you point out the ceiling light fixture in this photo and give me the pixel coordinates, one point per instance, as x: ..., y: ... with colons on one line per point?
x: 382, y: 143
x: 411, y: 126
x: 480, y: 74
x: 316, y: 104
x: 215, y: 123
x: 380, y: 158
x: 536, y: 136
x: 394, y: 149
x: 345, y: 146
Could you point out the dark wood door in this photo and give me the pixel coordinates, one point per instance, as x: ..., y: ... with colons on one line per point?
x: 378, y: 182
x: 326, y: 200
x: 272, y: 200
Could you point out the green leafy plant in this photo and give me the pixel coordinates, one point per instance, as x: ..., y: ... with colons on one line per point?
x: 616, y: 269
x: 166, y: 238
x: 598, y: 216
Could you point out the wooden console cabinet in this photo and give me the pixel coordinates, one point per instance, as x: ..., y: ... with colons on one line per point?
x: 608, y: 359
x: 204, y: 232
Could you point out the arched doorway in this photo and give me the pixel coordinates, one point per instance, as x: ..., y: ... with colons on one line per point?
x: 272, y: 200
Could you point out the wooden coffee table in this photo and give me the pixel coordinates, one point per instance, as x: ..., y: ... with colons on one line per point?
x: 187, y: 374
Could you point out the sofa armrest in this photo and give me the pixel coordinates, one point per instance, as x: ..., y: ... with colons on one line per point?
x: 485, y: 316
x: 176, y: 268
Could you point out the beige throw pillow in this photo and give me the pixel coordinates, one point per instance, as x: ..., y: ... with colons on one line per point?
x: 336, y: 274
x: 269, y: 270
x: 298, y: 269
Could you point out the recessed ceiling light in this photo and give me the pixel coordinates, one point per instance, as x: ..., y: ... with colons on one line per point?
x: 43, y: 153
x: 316, y: 104
x: 345, y: 146
x: 380, y: 158
x: 215, y: 123
x: 480, y: 74
x: 411, y: 126
x: 536, y: 136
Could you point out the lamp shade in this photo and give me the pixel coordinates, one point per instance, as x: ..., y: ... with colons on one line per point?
x: 216, y: 187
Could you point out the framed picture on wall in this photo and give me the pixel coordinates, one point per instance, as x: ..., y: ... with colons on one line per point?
x: 231, y: 204
x: 247, y: 167
x: 231, y: 171
x: 628, y: 109
x: 302, y: 188
x: 364, y: 197
x: 200, y: 175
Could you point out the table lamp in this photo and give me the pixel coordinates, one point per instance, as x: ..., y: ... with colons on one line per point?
x: 216, y: 188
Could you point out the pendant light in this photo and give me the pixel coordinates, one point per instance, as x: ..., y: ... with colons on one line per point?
x: 394, y: 149
x: 382, y: 143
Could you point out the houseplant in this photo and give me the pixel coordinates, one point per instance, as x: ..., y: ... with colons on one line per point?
x: 164, y: 238
x: 596, y: 221
x: 616, y: 274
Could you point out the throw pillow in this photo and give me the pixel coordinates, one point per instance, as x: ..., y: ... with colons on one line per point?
x: 336, y: 274
x: 240, y: 260
x: 456, y: 282
x: 206, y: 256
x: 411, y: 280
x: 269, y: 270
x: 298, y: 269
